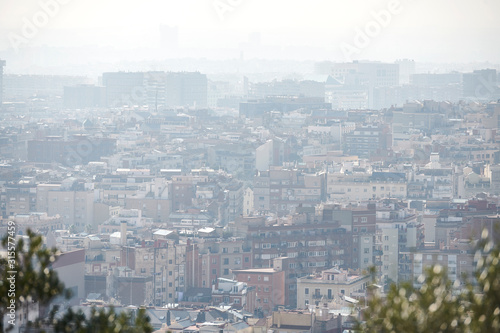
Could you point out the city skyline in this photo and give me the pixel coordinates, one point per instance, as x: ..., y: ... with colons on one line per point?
x: 43, y: 32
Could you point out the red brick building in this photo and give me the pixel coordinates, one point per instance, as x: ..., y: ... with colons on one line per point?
x: 269, y: 285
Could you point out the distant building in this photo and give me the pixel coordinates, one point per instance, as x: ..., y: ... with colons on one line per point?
x: 157, y: 260
x: 234, y: 293
x: 84, y: 96
x: 365, y: 141
x: 129, y: 288
x: 124, y: 88
x: 435, y: 79
x: 288, y: 88
x: 331, y: 284
x: 346, y: 95
x: 269, y: 285
x: 19, y: 87
x: 186, y: 89
x: 271, y: 153
x: 481, y: 85
x: 406, y: 70
x: 2, y: 64
x: 18, y: 199
x: 80, y: 149
x: 283, y: 104
x: 458, y: 259
x: 367, y: 75
x: 74, y: 205
x: 282, y: 190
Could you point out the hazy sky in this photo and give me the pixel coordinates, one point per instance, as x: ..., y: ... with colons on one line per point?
x: 424, y: 30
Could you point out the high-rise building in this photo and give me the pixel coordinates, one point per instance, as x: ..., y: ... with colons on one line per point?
x: 367, y: 75
x: 406, y: 69
x: 19, y: 87
x: 124, y: 88
x: 186, y: 89
x: 481, y: 84
x: 84, y: 96
x: 2, y: 63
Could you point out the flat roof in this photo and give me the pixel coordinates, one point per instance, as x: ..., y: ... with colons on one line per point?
x: 255, y: 270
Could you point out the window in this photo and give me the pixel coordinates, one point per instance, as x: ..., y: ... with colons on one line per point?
x: 364, y: 219
x: 247, y: 259
x: 214, y: 271
x: 306, y: 291
x: 366, y: 250
x: 226, y: 261
x: 265, y: 300
x: 226, y: 271
x: 386, y: 238
x: 386, y: 247
x: 266, y: 278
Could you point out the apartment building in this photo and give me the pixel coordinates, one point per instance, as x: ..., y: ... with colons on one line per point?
x: 74, y: 206
x: 283, y: 190
x: 331, y: 284
x: 269, y: 285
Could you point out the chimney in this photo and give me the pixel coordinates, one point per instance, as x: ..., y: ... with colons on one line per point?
x: 123, y: 233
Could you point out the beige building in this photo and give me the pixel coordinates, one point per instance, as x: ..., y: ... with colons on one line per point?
x: 38, y: 222
x: 457, y: 258
x: 74, y: 207
x: 332, y: 284
x: 364, y: 190
x: 158, y: 262
x: 18, y: 199
x: 248, y: 202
